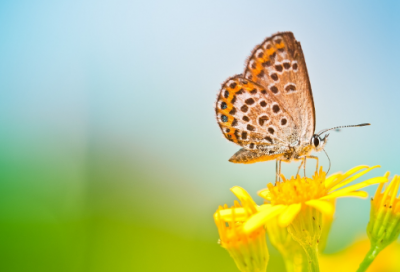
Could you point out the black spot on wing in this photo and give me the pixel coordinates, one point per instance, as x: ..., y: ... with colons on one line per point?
x: 269, y: 139
x: 244, y: 108
x: 250, y: 128
x: 249, y: 101
x: 226, y: 94
x: 274, y: 89
x: 262, y: 120
x: 275, y: 77
x: 234, y: 122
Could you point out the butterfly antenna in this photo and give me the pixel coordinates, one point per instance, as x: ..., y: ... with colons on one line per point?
x: 328, y: 160
x: 359, y: 125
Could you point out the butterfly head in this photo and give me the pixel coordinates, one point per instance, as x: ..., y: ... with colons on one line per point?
x: 318, y: 142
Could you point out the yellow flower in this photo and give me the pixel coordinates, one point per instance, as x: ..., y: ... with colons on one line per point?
x: 288, y: 198
x: 248, y: 250
x: 384, y: 225
x: 300, y: 203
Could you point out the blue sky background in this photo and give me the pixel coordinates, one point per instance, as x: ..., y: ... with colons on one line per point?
x: 107, y: 120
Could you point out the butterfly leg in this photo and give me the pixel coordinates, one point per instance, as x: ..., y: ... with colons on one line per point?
x: 316, y: 158
x: 303, y: 163
x: 298, y: 170
x: 278, y: 171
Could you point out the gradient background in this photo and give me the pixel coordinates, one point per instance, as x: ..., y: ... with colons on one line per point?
x: 111, y: 158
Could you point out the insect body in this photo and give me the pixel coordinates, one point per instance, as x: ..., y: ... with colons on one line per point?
x: 269, y: 109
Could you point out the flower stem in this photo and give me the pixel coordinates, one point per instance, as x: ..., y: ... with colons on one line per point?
x: 306, y: 230
x: 369, y: 258
x: 312, y: 254
x: 296, y: 260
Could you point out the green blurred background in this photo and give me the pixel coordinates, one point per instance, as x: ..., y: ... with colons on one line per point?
x: 111, y: 158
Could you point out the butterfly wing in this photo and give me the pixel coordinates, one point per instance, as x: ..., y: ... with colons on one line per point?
x: 250, y: 116
x: 279, y: 66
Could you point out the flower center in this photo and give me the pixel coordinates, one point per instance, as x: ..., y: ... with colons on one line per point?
x: 297, y: 190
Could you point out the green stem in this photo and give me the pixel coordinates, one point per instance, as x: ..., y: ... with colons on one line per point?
x: 312, y: 254
x: 296, y: 260
x: 369, y: 258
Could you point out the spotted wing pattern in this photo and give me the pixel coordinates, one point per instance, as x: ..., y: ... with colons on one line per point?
x: 278, y: 65
x: 251, y: 116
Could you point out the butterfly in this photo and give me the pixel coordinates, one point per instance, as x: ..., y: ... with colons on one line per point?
x: 269, y: 109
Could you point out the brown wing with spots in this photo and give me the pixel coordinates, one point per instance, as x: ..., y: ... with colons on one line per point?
x: 279, y: 66
x: 250, y: 116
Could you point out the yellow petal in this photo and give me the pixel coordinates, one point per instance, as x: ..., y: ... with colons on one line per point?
x: 396, y: 181
x: 233, y: 214
x: 388, y: 189
x: 331, y: 183
x: 263, y: 207
x: 325, y: 207
x: 351, y: 179
x: 359, y: 194
x: 244, y: 198
x: 378, y: 191
x: 355, y: 187
x: 259, y: 219
x: 379, y: 194
x: 264, y: 193
x: 289, y: 214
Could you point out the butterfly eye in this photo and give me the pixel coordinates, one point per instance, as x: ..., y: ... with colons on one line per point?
x: 316, y: 141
